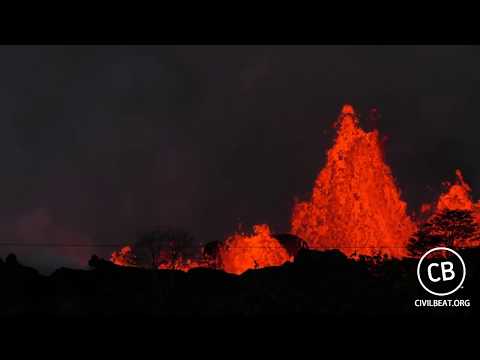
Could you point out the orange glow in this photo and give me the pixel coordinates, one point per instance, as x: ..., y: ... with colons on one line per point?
x: 355, y: 206
x: 457, y: 197
x: 181, y: 263
x: 241, y: 252
x: 126, y: 257
x: 123, y: 257
x: 425, y: 208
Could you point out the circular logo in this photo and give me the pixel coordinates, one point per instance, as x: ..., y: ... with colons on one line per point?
x: 442, y: 269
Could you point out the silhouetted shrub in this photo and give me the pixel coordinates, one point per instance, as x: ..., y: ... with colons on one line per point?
x: 96, y: 263
x: 11, y: 260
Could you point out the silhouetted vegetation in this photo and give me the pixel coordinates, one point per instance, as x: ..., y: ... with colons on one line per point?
x: 449, y: 228
x: 161, y: 247
x: 96, y: 263
x: 211, y: 254
x: 316, y: 283
x: 11, y: 260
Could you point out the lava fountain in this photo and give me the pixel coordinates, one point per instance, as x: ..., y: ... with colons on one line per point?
x: 355, y: 205
x: 241, y: 252
x: 124, y: 257
x: 457, y: 197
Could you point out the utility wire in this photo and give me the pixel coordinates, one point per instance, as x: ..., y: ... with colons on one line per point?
x: 11, y: 244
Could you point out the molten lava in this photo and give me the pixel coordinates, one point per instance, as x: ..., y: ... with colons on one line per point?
x: 457, y: 197
x: 126, y: 257
x: 355, y: 205
x: 182, y: 263
x: 123, y: 257
x: 241, y: 252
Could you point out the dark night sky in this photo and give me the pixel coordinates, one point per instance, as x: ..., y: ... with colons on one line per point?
x: 101, y: 142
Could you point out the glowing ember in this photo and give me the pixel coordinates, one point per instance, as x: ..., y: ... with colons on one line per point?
x: 241, y: 252
x: 355, y: 205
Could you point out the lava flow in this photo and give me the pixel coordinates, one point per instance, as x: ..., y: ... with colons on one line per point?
x: 355, y: 205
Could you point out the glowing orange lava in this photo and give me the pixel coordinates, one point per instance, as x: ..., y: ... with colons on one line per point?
x: 457, y: 197
x: 241, y: 252
x: 126, y: 257
x: 355, y: 205
x: 183, y: 264
x: 123, y: 257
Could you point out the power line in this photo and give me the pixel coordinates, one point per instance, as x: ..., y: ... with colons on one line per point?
x: 60, y: 245
x: 6, y: 244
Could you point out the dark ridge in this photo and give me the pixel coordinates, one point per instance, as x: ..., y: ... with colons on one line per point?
x: 315, y: 284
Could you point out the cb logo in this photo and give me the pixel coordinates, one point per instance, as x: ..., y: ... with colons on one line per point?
x: 439, y: 274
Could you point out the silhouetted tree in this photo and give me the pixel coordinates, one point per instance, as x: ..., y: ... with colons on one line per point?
x: 153, y: 243
x: 165, y: 246
x: 449, y: 228
x: 180, y: 243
